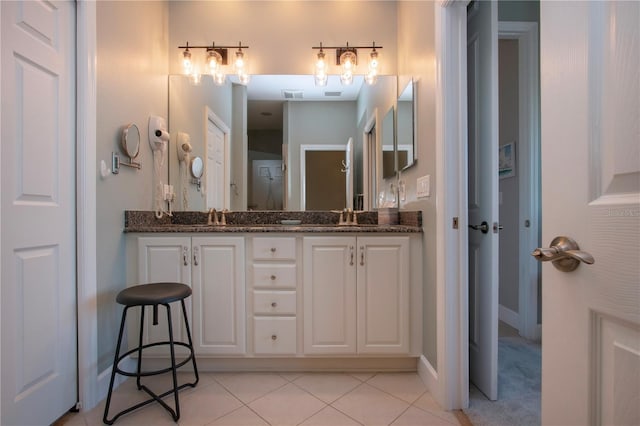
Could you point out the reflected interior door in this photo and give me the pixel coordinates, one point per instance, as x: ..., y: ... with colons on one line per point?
x: 38, y: 228
x: 482, y: 76
x: 590, y: 81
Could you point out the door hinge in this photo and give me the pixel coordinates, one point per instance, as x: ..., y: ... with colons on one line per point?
x: 455, y: 222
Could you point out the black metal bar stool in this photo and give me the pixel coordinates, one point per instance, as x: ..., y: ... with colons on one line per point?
x: 152, y: 295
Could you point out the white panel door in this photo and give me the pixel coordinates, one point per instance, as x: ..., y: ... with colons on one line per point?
x: 329, y: 286
x: 590, y: 80
x: 162, y: 259
x: 217, y: 191
x: 383, y: 294
x: 219, y: 295
x: 482, y: 76
x: 39, y: 367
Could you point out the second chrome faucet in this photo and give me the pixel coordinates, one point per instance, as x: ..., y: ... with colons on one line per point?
x: 213, y: 218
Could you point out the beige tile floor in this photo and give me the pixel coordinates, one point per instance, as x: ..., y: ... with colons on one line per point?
x: 307, y: 399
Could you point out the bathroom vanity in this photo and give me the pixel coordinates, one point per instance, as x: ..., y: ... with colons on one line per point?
x: 305, y: 297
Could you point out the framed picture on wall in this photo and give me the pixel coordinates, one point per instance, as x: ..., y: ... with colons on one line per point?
x: 507, y: 161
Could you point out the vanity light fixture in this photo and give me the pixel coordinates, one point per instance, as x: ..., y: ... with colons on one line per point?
x: 347, y: 59
x: 215, y: 62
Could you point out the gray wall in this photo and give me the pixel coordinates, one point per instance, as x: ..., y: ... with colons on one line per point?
x: 416, y: 58
x: 523, y: 10
x: 509, y: 187
x: 132, y: 66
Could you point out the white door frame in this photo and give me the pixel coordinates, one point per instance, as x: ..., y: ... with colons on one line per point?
x: 526, y: 33
x: 450, y: 386
x: 89, y: 393
x: 303, y: 177
x: 452, y: 382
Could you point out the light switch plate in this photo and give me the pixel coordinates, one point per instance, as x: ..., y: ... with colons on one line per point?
x: 423, y: 186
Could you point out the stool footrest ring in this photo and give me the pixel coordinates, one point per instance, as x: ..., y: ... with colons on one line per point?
x: 153, y: 372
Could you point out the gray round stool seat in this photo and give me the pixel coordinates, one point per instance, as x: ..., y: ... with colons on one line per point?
x: 153, y: 295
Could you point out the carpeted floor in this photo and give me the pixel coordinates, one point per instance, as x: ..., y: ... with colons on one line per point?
x: 518, y: 403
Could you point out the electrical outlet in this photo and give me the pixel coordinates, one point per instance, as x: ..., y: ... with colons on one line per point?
x: 423, y: 186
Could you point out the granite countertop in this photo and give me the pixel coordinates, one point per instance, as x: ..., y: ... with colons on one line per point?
x: 262, y: 222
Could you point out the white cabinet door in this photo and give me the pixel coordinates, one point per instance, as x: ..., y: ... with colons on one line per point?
x: 162, y: 259
x: 329, y: 295
x: 383, y: 294
x: 219, y: 295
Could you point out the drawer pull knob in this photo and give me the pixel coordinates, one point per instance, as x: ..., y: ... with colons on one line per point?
x: 273, y: 249
x: 274, y: 304
x: 274, y: 337
x: 273, y: 277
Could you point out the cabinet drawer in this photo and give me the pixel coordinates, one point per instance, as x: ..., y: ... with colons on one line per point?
x: 274, y: 302
x: 274, y: 276
x: 274, y: 248
x: 274, y: 335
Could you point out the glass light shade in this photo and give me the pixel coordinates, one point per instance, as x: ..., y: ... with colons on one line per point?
x: 219, y: 77
x: 187, y: 63
x: 320, y: 79
x: 244, y: 78
x: 346, y: 78
x: 321, y: 70
x: 195, y: 77
x: 374, y: 62
x: 348, y: 60
x: 214, y: 61
x: 371, y: 78
x: 239, y: 62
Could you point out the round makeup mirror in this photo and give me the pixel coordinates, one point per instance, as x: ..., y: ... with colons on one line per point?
x: 196, y: 167
x: 131, y: 140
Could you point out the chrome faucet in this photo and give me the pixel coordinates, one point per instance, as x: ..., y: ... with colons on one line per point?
x: 347, y: 217
x: 213, y: 217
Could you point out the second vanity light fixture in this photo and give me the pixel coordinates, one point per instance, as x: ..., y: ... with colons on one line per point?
x: 347, y: 59
x: 215, y: 58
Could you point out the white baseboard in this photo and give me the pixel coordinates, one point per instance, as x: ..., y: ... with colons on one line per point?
x: 429, y: 377
x: 104, y: 377
x: 510, y: 317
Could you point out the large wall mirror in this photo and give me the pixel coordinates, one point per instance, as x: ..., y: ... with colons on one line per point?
x: 405, y: 129
x: 284, y: 161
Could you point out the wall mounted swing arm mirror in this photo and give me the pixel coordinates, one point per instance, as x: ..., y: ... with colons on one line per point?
x: 130, y: 145
x: 196, y: 168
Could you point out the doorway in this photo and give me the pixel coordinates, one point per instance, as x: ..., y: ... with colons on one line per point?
x: 265, y: 172
x: 518, y: 329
